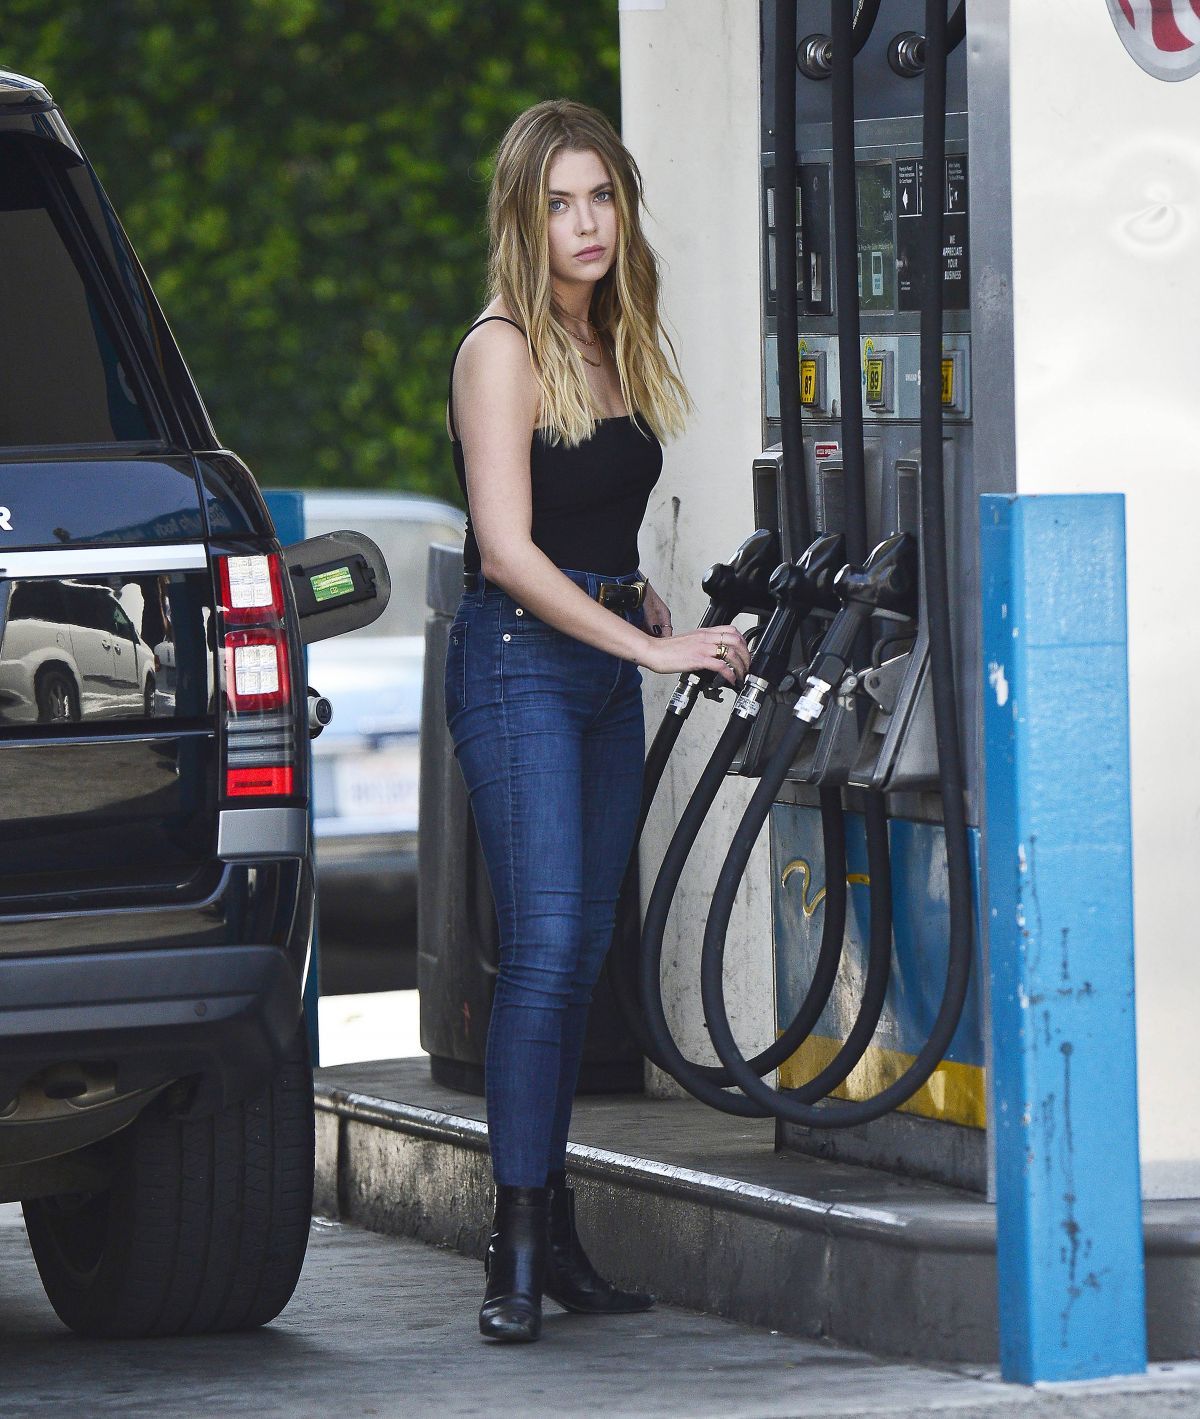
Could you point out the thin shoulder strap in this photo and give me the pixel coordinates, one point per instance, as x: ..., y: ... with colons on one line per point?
x: 454, y: 360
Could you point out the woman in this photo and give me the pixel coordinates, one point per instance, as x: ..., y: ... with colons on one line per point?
x: 559, y: 395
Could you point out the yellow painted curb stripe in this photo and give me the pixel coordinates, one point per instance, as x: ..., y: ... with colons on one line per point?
x: 953, y: 1093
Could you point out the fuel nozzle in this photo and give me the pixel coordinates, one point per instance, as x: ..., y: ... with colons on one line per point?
x: 742, y: 583
x: 797, y: 588
x: 887, y: 582
x: 733, y: 587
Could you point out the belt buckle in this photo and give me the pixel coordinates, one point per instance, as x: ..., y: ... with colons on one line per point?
x: 617, y: 589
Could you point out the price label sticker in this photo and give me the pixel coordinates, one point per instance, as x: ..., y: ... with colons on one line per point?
x: 875, y: 379
x: 948, y: 382
x: 808, y: 382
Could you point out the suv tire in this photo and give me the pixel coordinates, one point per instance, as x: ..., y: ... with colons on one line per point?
x: 205, y: 1226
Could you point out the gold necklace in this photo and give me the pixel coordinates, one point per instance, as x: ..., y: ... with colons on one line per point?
x: 582, y: 340
x: 595, y: 364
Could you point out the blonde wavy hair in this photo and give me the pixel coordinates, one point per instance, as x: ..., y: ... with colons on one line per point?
x: 625, y: 302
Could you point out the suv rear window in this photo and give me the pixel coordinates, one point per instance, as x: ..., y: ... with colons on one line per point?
x: 63, y: 379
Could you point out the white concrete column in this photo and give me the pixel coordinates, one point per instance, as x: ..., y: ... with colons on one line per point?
x: 690, y: 106
x: 1105, y: 257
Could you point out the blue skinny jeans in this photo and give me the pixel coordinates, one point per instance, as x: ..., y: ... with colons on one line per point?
x: 550, y: 737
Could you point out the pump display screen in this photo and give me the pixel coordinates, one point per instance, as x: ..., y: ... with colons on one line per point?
x: 876, y: 239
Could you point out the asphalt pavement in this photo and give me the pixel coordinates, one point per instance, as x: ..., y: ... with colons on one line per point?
x: 386, y: 1327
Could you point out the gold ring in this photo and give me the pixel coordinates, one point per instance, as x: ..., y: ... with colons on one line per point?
x: 723, y: 652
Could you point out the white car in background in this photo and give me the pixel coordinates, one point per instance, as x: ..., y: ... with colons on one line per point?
x: 366, y: 764
x: 69, y: 651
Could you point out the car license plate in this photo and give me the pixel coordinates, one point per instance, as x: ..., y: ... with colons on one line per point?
x: 382, y: 785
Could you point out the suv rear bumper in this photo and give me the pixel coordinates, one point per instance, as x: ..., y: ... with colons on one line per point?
x: 223, y: 1014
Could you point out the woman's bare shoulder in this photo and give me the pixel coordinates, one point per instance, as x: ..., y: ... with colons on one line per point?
x: 494, y: 363
x: 492, y: 338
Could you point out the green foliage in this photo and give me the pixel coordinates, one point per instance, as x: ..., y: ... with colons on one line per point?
x: 305, y: 182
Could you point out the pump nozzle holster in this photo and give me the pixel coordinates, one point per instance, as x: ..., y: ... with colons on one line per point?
x: 887, y: 581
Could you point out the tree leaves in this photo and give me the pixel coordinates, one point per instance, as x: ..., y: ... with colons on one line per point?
x: 305, y: 182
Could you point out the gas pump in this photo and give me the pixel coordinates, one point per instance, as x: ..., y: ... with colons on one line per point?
x: 881, y: 585
x: 875, y: 710
x: 884, y: 391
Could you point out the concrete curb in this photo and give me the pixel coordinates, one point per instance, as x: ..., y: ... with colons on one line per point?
x: 798, y: 1264
x: 878, y: 1278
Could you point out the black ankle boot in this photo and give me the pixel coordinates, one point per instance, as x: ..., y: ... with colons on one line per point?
x: 514, y: 1265
x: 571, y: 1279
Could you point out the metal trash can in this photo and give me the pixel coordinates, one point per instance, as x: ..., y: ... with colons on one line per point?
x: 457, y: 932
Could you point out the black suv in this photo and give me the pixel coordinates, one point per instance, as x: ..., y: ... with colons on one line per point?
x: 156, y: 878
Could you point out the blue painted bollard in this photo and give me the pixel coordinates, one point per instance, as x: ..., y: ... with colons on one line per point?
x: 1059, y: 916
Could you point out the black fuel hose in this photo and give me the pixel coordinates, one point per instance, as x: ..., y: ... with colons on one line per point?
x: 887, y: 581
x: 734, y: 587
x: 848, y: 38
x: 665, y: 887
x: 705, y: 1081
x: 875, y: 816
x: 666, y: 1053
x: 797, y: 589
x: 621, y: 965
x: 878, y: 956
x: 956, y: 28
x: 845, y: 237
x: 864, y: 23
x: 841, y: 1114
x: 791, y: 471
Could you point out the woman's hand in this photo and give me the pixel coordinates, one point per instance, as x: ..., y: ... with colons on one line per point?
x: 697, y: 650
x: 658, y: 613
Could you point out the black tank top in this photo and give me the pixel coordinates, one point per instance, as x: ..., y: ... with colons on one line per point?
x: 588, y: 501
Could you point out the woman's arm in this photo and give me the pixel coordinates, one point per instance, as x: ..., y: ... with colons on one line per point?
x: 496, y: 406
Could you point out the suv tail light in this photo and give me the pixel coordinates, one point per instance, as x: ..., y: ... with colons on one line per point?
x: 257, y: 679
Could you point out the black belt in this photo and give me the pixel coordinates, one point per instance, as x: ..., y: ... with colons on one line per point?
x: 615, y: 595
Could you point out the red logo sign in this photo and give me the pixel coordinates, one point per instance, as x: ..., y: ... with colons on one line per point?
x: 1162, y: 35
